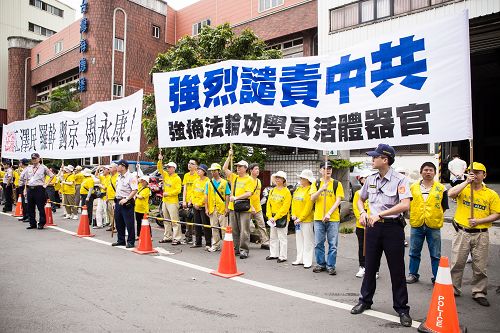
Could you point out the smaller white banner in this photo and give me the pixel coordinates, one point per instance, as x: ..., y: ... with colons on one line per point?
x: 101, y: 129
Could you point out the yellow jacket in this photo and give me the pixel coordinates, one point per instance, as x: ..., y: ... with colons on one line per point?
x: 278, y: 203
x: 429, y: 212
x: 302, y: 205
x: 356, y: 211
x: 486, y: 202
x: 142, y: 204
x: 198, y: 195
x: 239, y: 186
x: 87, y: 185
x: 68, y: 189
x: 188, y: 180
x: 79, y: 178
x: 172, y: 185
x: 110, y: 183
x: 255, y: 197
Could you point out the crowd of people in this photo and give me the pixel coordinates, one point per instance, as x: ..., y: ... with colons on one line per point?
x: 121, y: 198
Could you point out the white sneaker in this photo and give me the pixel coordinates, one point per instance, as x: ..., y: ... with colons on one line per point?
x: 377, y: 275
x: 361, y: 272
x: 469, y: 259
x: 213, y: 249
x: 67, y: 216
x: 75, y: 217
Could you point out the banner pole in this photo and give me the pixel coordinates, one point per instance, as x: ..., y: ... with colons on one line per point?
x: 232, y: 155
x: 324, y: 179
x: 471, y: 154
x: 440, y: 162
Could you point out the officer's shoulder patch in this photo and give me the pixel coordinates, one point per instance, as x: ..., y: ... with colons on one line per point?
x: 402, y: 189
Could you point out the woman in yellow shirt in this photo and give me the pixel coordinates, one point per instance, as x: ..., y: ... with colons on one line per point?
x: 198, y: 202
x: 85, y: 200
x: 303, y: 217
x: 68, y: 192
x: 142, y: 203
x: 277, y: 212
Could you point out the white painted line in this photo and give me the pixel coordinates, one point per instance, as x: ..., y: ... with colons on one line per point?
x: 6, y: 214
x: 62, y: 230
x: 185, y: 264
x: 96, y: 240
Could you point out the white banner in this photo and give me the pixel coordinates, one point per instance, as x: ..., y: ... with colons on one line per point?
x: 410, y: 87
x: 101, y: 129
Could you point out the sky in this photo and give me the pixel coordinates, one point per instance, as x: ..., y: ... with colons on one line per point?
x: 176, y: 4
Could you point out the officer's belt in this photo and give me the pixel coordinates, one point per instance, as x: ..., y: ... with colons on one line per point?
x: 34, y: 187
x: 470, y: 231
x: 390, y: 220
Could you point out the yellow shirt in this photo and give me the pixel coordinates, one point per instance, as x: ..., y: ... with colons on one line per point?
x: 53, y: 182
x: 79, y: 178
x: 356, y: 211
x: 330, y: 200
x: 278, y: 203
x: 214, y: 201
x: 87, y: 184
x: 188, y: 180
x: 17, y: 176
x: 110, y: 182
x: 255, y: 197
x: 142, y: 204
x: 486, y: 202
x: 243, y: 185
x: 68, y: 189
x: 172, y: 185
x: 198, y: 195
x: 2, y: 174
x: 302, y: 205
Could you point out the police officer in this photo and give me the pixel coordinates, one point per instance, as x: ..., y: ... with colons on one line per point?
x: 34, y: 176
x: 23, y: 164
x: 126, y: 188
x: 389, y: 196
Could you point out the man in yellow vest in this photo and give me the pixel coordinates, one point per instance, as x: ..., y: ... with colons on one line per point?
x: 472, y: 232
x: 217, y: 194
x: 430, y: 200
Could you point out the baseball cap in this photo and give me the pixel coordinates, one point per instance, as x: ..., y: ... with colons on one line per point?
x: 172, y: 164
x: 35, y: 155
x: 215, y: 166
x: 328, y: 165
x: 384, y: 150
x: 203, y: 167
x: 25, y: 161
x: 122, y: 163
x: 477, y: 166
x: 243, y: 163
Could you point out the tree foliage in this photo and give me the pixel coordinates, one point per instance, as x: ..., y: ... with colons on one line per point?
x: 212, y: 45
x: 65, y: 98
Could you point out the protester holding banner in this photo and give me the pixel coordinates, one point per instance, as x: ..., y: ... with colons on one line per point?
x: 242, y: 187
x: 170, y: 202
x: 257, y: 214
x: 142, y: 203
x: 198, y: 202
x: 327, y: 219
x: 389, y: 196
x: 303, y: 218
x: 34, y: 176
x: 78, y: 182
x: 8, y: 184
x: 126, y: 189
x: 20, y: 188
x: 68, y: 191
x: 51, y: 188
x: 472, y: 231
x: 217, y: 194
x: 278, y: 215
x: 187, y: 191
x: 85, y: 199
x: 430, y: 201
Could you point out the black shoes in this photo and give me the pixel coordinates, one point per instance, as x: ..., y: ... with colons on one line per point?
x: 318, y: 269
x: 271, y: 258
x: 405, y: 319
x: 194, y: 245
x: 332, y: 271
x: 360, y: 307
x: 130, y: 245
x: 280, y: 261
x: 411, y: 279
x: 482, y: 301
x: 264, y: 247
x: 31, y: 227
x: 40, y: 227
x: 118, y: 244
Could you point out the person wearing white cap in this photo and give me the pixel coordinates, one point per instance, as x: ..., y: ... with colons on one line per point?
x: 172, y: 187
x: 217, y: 200
x: 96, y: 195
x: 303, y: 218
x: 87, y: 185
x: 142, y: 203
x: 278, y: 214
x: 239, y: 204
x: 68, y: 191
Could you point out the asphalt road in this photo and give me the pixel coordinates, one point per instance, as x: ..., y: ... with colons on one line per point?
x: 51, y: 281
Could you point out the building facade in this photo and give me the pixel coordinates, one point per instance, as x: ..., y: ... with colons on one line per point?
x: 342, y: 23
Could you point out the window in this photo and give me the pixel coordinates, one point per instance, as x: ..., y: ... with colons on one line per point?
x: 46, y: 7
x: 268, y: 4
x: 40, y: 30
x: 116, y: 157
x: 58, y: 47
x: 91, y: 160
x: 290, y: 49
x: 198, y: 26
x: 119, y: 44
x: 156, y: 31
x: 117, y: 90
x: 38, y: 58
x: 369, y: 10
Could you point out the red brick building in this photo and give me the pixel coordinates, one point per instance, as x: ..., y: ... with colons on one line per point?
x: 119, y: 40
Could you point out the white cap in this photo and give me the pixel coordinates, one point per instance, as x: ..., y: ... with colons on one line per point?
x: 307, y: 174
x: 243, y: 163
x: 86, y: 172
x: 70, y: 167
x: 107, y: 167
x: 172, y: 164
x: 113, y: 165
x: 365, y: 173
x: 281, y: 174
x: 145, y: 178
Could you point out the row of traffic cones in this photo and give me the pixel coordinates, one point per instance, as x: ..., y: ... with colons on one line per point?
x: 49, y: 219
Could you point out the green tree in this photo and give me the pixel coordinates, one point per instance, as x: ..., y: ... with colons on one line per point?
x: 64, y: 98
x: 210, y: 46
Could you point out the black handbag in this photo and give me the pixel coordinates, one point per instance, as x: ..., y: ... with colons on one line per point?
x: 281, y: 223
x: 242, y: 205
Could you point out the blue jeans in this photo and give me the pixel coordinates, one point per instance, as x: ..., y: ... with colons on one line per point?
x: 417, y: 237
x: 330, y: 231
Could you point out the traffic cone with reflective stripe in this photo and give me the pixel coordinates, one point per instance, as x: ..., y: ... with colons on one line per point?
x: 227, y: 264
x: 145, y: 244
x: 19, y: 207
x: 49, y: 218
x: 84, y: 228
x: 442, y: 315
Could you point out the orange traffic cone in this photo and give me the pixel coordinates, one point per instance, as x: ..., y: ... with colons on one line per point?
x: 83, y: 228
x: 145, y: 244
x: 19, y: 207
x: 227, y: 264
x: 49, y: 219
x: 442, y: 315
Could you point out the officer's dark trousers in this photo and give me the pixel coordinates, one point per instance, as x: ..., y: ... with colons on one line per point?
x: 36, y: 197
x: 90, y: 207
x: 20, y: 191
x: 386, y: 237
x: 51, y: 194
x: 8, y: 198
x: 124, y: 218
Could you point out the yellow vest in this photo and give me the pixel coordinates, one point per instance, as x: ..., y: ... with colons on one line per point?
x: 302, y: 205
x: 429, y: 212
x: 356, y: 211
x: 214, y: 200
x: 142, y: 204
